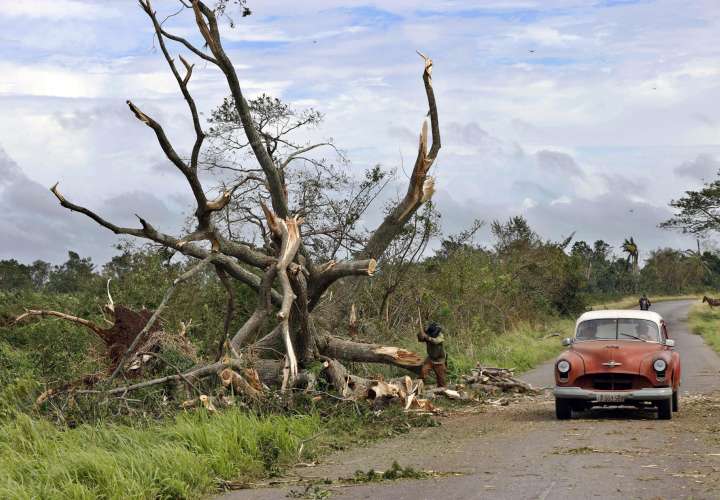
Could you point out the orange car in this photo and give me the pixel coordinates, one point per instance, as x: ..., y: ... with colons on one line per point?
x: 618, y: 358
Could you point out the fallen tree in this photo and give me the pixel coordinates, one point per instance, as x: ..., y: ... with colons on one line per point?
x: 283, y: 335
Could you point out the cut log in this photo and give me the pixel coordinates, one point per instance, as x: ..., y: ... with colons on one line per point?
x: 347, y: 385
x: 348, y: 350
x: 382, y: 390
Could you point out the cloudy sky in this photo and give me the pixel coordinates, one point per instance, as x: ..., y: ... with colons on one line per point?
x: 582, y: 115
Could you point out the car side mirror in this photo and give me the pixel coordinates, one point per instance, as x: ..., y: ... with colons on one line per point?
x: 567, y: 341
x: 669, y: 342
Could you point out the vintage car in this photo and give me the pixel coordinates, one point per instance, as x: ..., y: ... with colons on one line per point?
x: 618, y: 358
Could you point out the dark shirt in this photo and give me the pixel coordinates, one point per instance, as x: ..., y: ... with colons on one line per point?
x: 435, y: 349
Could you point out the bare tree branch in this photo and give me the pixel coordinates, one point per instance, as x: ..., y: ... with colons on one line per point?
x: 67, y: 317
x: 207, y: 24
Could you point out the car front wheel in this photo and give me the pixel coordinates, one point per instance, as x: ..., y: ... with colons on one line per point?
x: 675, y: 401
x: 665, y: 409
x: 563, y: 409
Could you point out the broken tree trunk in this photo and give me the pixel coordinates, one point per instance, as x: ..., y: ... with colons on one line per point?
x: 287, y: 280
x: 348, y: 350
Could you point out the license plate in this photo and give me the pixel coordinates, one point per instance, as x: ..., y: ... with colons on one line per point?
x: 609, y: 397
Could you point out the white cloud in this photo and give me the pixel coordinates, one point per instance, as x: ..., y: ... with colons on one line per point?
x: 544, y: 36
x: 59, y: 9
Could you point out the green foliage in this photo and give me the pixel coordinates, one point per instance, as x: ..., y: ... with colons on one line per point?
x: 705, y: 321
x: 57, y: 350
x: 698, y: 212
x: 76, y: 274
x: 495, y: 305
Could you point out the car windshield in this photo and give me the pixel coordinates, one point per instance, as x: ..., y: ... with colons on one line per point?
x: 618, y: 329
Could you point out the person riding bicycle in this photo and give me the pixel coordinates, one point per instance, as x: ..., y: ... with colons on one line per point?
x: 644, y: 303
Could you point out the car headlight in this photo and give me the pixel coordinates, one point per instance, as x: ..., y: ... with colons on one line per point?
x: 563, y: 367
x: 660, y: 365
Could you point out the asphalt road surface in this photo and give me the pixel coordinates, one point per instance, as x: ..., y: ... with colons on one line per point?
x: 521, y: 451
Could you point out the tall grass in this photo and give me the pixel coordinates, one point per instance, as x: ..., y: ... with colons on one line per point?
x: 180, y: 459
x: 706, y: 322
x: 523, y: 348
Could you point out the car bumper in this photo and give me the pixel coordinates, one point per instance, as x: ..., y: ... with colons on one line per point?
x: 649, y: 394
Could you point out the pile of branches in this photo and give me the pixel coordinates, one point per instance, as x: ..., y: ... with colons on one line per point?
x: 495, y: 381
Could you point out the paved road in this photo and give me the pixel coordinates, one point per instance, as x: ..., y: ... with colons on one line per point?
x: 522, y: 452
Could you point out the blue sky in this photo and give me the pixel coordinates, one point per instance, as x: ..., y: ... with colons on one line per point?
x: 585, y: 116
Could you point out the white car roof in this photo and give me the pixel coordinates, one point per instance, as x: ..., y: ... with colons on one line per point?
x: 621, y: 313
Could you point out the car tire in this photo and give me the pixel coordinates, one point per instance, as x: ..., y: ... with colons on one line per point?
x: 675, y: 401
x: 563, y: 409
x: 664, y: 408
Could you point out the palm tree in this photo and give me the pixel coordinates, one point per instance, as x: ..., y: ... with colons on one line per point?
x: 698, y: 258
x: 630, y: 247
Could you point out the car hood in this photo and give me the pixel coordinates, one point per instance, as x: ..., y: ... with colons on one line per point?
x: 615, y: 355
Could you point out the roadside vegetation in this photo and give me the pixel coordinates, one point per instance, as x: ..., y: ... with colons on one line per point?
x: 506, y: 305
x: 705, y: 321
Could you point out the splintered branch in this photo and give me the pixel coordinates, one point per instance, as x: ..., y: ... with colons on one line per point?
x: 353, y: 322
x: 421, y: 185
x: 290, y: 231
x: 162, y: 138
x: 349, y: 350
x: 110, y: 305
x: 168, y: 294
x: 172, y: 155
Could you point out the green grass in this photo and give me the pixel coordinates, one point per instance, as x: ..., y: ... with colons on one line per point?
x: 705, y: 321
x: 522, y: 348
x: 184, y: 458
x: 188, y: 456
